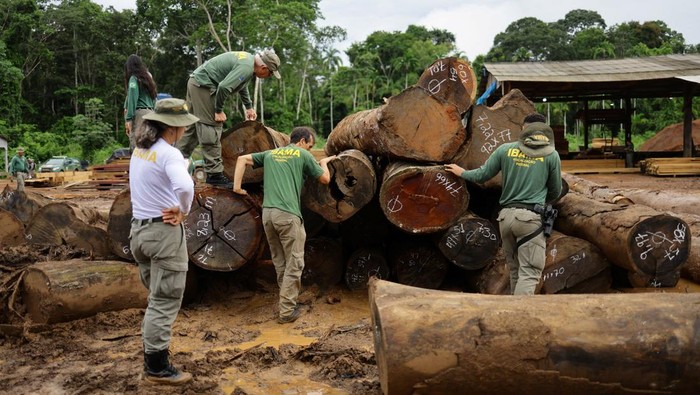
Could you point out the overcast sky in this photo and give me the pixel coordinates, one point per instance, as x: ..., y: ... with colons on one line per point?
x: 476, y: 22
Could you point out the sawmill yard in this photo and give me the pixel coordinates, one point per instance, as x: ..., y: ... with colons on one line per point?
x: 226, y: 334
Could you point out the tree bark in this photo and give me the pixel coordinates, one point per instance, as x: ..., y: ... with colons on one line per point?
x: 224, y: 230
x: 61, y: 223
x: 119, y: 225
x: 493, y: 279
x: 595, y: 191
x: 60, y: 291
x: 353, y: 184
x: 674, y: 201
x: 363, y: 264
x: 246, y: 138
x: 432, y: 342
x: 417, y: 262
x: 412, y: 125
x: 422, y: 199
x: 452, y: 80
x: 491, y: 127
x: 470, y: 243
x: 22, y: 204
x: 323, y: 262
x: 651, y: 246
x: 11, y: 229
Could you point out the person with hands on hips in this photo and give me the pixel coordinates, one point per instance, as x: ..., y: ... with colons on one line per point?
x: 207, y: 90
x: 161, y: 197
x: 284, y: 171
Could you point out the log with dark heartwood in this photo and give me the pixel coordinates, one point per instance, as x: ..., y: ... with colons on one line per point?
x: 416, y: 261
x: 246, y: 138
x: 413, y: 125
x: 422, y: 199
x: 650, y: 245
x: 353, y: 184
x: 555, y: 344
x: 471, y: 243
x: 223, y: 229
x: 364, y: 263
x: 451, y: 79
x: 491, y: 127
x: 323, y: 262
x: 23, y: 204
x: 60, y: 291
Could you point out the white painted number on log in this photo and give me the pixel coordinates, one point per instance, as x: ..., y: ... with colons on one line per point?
x: 449, y: 186
x: 492, y: 137
x: 394, y: 205
x: 658, y: 240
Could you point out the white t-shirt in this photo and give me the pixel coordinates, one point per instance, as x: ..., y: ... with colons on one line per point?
x: 158, y: 179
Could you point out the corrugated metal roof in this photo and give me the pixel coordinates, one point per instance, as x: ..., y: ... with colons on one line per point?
x: 654, y: 76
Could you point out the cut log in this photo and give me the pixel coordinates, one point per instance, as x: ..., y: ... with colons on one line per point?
x: 571, y: 262
x: 246, y: 138
x: 223, y: 230
x: 119, y: 225
x: 595, y: 191
x: 323, y: 262
x: 412, y: 125
x: 669, y: 200
x: 353, y: 184
x: 491, y: 127
x: 60, y: 291
x: 11, y: 229
x: 651, y: 246
x: 417, y: 262
x: 61, y: 223
x: 363, y: 264
x: 471, y: 243
x: 22, y: 204
x: 366, y: 228
x: 452, y: 80
x: 432, y: 342
x: 422, y: 199
x: 493, y: 279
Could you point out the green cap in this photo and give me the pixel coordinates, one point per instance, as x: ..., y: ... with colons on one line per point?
x: 272, y: 61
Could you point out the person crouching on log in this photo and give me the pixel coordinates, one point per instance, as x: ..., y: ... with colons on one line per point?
x: 283, y: 176
x: 161, y: 196
x: 531, y: 176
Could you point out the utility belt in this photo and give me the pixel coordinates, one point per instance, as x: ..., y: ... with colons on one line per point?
x: 531, y: 207
x: 142, y: 222
x: 548, y: 214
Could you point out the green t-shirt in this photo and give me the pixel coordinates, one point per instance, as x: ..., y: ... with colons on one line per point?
x: 18, y: 164
x: 227, y: 73
x: 285, y: 169
x: 526, y: 180
x: 137, y: 97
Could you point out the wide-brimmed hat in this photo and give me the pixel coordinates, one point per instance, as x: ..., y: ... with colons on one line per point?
x: 272, y: 61
x: 172, y: 112
x: 20, y: 149
x: 537, y: 140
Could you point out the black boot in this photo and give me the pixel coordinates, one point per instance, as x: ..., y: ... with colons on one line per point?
x: 158, y: 370
x: 219, y: 180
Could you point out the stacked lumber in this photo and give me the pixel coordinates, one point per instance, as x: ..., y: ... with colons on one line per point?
x: 671, y: 166
x: 110, y: 176
x: 57, y: 179
x: 596, y: 166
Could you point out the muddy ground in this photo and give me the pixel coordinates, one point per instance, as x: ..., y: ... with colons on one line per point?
x: 226, y: 335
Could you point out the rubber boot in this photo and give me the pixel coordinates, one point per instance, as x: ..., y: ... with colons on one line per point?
x: 158, y: 370
x: 219, y: 180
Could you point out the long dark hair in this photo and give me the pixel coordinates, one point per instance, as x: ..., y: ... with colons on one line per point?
x: 135, y: 66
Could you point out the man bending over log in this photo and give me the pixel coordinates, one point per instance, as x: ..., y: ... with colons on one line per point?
x: 284, y: 170
x: 531, y: 177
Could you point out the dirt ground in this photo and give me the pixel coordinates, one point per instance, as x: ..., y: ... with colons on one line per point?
x: 226, y: 334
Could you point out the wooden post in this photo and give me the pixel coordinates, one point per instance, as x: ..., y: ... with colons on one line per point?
x: 439, y: 342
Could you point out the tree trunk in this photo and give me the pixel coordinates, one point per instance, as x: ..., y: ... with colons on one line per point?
x: 493, y: 279
x: 246, y: 138
x: 452, y: 80
x: 22, y: 204
x: 119, y: 225
x: 571, y: 262
x: 353, y: 184
x: 412, y: 125
x: 432, y: 342
x: 364, y: 263
x: 59, y: 291
x: 422, y: 199
x: 11, y: 229
x: 595, y: 191
x: 417, y: 262
x: 471, y: 243
x: 224, y: 230
x: 61, y: 223
x: 651, y: 246
x: 491, y: 127
x: 323, y: 262
x: 674, y: 201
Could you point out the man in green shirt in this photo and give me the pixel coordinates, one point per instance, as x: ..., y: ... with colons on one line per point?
x: 531, y: 171
x: 19, y: 168
x: 284, y: 171
x: 207, y: 89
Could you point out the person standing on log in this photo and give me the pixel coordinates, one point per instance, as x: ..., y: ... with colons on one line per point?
x: 140, y: 95
x: 19, y: 168
x: 207, y: 89
x: 531, y: 177
x: 284, y: 171
x: 161, y: 196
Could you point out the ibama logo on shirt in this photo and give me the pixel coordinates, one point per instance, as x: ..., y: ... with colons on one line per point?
x: 144, y: 154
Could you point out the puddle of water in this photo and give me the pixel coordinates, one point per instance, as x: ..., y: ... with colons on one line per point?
x: 232, y: 379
